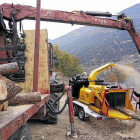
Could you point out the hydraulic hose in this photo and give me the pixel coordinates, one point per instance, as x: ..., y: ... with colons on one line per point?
x: 60, y: 111
x: 59, y: 98
x: 136, y: 94
x: 2, y: 23
x: 11, y: 26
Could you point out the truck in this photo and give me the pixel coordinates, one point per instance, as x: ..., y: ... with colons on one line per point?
x: 35, y: 62
x: 32, y: 58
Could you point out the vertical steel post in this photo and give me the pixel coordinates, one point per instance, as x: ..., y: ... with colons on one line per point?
x: 71, y: 115
x: 36, y: 51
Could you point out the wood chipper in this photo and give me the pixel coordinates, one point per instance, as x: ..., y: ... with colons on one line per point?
x: 94, y: 98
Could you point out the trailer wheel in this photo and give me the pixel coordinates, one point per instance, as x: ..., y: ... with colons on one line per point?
x: 75, y: 110
x: 23, y: 133
x: 81, y: 114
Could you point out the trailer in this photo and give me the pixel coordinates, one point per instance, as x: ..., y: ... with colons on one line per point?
x: 85, y: 112
x: 93, y: 97
x: 16, y: 117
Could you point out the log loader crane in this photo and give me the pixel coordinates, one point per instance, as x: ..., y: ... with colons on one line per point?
x: 13, y: 49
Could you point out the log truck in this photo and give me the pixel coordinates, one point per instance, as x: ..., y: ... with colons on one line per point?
x: 33, y: 74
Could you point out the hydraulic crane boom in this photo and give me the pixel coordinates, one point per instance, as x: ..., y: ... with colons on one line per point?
x: 19, y: 12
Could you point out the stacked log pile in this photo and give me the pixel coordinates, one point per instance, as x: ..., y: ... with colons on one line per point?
x: 10, y: 91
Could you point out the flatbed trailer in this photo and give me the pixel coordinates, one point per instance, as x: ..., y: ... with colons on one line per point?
x: 88, y: 112
x: 16, y: 116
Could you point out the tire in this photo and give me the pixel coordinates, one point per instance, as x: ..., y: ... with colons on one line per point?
x: 50, y: 116
x: 81, y: 114
x: 23, y: 133
x: 75, y: 110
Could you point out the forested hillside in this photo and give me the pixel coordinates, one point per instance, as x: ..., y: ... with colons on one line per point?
x: 69, y: 65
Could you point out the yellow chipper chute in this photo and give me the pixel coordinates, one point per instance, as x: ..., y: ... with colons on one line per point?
x: 100, y: 100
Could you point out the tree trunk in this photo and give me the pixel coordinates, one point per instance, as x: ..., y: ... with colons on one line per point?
x: 9, y: 68
x: 5, y: 105
x: 129, y: 112
x: 8, y: 89
x: 3, y: 88
x: 23, y: 98
x: 1, y: 106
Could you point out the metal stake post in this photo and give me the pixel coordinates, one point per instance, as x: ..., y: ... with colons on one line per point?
x: 36, y: 54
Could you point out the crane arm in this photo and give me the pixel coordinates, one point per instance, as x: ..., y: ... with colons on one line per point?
x: 20, y: 12
x: 79, y: 17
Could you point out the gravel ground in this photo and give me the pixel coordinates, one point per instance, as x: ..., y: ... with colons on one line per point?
x: 111, y: 129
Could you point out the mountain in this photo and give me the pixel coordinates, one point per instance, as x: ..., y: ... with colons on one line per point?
x: 50, y: 40
x: 94, y: 44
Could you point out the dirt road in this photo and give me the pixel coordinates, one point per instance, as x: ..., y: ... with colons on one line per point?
x: 91, y: 129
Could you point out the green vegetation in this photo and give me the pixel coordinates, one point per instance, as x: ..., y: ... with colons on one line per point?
x: 68, y: 64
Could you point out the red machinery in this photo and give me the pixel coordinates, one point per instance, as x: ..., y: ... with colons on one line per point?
x: 17, y: 13
x: 79, y: 17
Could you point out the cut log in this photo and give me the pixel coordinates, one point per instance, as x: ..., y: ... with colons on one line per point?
x: 23, y: 98
x: 129, y: 112
x: 1, y: 106
x: 5, y: 105
x: 9, y: 68
x: 8, y: 90
x: 3, y: 88
x: 12, y: 88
